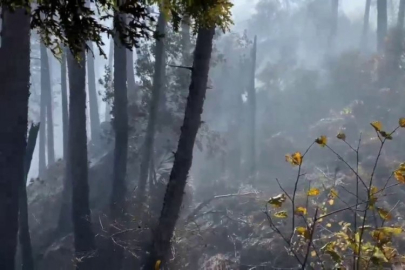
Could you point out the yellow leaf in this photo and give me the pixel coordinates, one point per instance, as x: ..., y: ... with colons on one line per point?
x: 294, y: 159
x: 301, y: 211
x: 389, y: 252
x: 391, y: 230
x: 377, y: 125
x: 331, y: 202
x: 278, y: 200
x: 157, y: 264
x: 401, y: 122
x: 281, y: 214
x: 328, y: 225
x: 373, y: 198
x: 303, y: 232
x: 313, y: 192
x: 378, y: 257
x: 399, y: 176
x: 384, y: 214
x: 341, y: 136
x: 322, y: 141
x: 313, y: 253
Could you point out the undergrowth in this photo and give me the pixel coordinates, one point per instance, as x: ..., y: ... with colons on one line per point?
x: 326, y: 229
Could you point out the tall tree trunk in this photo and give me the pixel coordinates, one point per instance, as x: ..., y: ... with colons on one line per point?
x: 130, y: 69
x: 184, y: 155
x: 14, y: 94
x: 382, y: 24
x: 366, y: 23
x: 186, y: 41
x: 46, y: 85
x: 65, y: 113
x: 24, y: 232
x: 334, y: 25
x: 148, y: 146
x: 77, y: 163
x: 186, y: 55
x: 94, y: 116
x: 42, y: 131
x: 110, y: 66
x: 120, y: 122
x: 252, y: 113
x: 401, y: 15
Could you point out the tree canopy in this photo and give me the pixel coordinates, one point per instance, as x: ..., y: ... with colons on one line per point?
x: 73, y: 23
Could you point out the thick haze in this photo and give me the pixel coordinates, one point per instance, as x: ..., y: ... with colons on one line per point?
x: 350, y: 22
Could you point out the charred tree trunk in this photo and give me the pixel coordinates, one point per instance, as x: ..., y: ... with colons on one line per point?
x: 94, y: 116
x: 46, y: 85
x: 148, y: 146
x: 77, y: 168
x: 14, y: 94
x: 24, y: 231
x: 252, y: 114
x: 120, y: 122
x: 65, y: 113
x: 110, y: 66
x: 184, y: 155
x: 382, y: 24
x: 366, y: 23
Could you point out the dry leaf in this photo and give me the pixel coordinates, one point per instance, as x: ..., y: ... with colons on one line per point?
x: 322, y: 141
x: 384, y: 214
x: 401, y: 122
x: 301, y: 211
x: 157, y: 264
x: 376, y: 125
x: 341, y: 136
x: 313, y: 192
x: 278, y: 200
x: 281, y: 214
x: 294, y: 159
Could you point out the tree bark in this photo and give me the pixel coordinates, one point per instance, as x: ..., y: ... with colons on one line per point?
x: 77, y: 168
x: 94, y: 116
x: 252, y: 113
x: 110, y: 65
x: 382, y: 24
x: 120, y: 122
x: 186, y: 41
x: 130, y: 72
x: 148, y: 146
x: 24, y: 232
x: 42, y: 131
x: 14, y: 94
x: 65, y: 113
x: 366, y: 22
x: 46, y: 85
x: 183, y: 157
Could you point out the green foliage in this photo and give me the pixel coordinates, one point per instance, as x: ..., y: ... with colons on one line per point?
x: 73, y: 23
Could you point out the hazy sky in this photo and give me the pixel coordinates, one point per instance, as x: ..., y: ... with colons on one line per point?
x: 243, y: 8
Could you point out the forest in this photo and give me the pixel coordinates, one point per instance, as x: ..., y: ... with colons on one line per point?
x: 202, y: 134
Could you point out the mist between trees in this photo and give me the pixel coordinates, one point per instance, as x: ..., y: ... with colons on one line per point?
x: 177, y: 135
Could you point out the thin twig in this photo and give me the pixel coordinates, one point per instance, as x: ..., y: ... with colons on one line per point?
x: 310, y: 240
